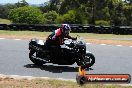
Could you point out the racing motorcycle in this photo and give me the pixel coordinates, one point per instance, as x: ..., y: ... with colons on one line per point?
x: 72, y: 51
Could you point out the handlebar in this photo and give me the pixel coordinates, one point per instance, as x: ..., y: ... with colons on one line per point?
x: 78, y: 41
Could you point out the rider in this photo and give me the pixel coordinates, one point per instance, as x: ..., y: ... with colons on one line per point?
x: 57, y: 37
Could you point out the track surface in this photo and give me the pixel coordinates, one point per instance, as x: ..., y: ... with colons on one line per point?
x: 109, y: 59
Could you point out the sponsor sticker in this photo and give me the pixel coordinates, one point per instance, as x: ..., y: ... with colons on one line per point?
x: 103, y: 78
x: 82, y: 78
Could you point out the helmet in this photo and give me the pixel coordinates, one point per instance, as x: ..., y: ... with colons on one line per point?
x: 65, y: 29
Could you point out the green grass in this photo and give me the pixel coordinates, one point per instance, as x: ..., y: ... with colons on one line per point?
x: 24, y: 33
x: 45, y: 34
x: 5, y: 21
x: 42, y: 83
x: 102, y: 36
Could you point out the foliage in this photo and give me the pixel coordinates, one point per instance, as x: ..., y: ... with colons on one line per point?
x: 50, y: 17
x: 4, y: 10
x: 72, y: 17
x: 27, y: 14
x: 128, y: 14
x: 45, y: 7
x: 69, y: 17
x: 117, y: 16
x: 102, y: 23
x: 103, y: 14
x: 21, y: 3
x: 59, y: 19
x: 117, y: 12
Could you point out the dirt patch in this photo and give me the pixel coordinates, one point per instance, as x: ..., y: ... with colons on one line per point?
x: 93, y: 41
x: 19, y: 37
x: 111, y: 42
x: 23, y: 83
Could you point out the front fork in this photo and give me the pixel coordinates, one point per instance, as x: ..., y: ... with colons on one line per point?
x: 80, y: 60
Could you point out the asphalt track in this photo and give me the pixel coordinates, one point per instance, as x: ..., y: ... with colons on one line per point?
x: 109, y: 59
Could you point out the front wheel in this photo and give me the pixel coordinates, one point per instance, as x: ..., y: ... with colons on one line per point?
x: 87, y: 60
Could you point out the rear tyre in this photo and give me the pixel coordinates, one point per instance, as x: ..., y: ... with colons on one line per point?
x: 32, y: 56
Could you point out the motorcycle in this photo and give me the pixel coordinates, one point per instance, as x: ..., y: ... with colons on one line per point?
x: 70, y: 52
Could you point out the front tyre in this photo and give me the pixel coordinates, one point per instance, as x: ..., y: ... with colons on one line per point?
x: 89, y: 60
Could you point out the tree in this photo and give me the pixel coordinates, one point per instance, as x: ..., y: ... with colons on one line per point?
x: 93, y: 10
x: 27, y: 14
x: 21, y: 3
x: 128, y: 14
x: 4, y: 10
x: 50, y: 17
x: 67, y: 5
x: 51, y: 5
x: 45, y: 7
x: 116, y: 12
x: 72, y: 17
x: 55, y: 5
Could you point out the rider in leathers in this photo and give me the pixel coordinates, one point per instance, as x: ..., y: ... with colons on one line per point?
x: 57, y: 38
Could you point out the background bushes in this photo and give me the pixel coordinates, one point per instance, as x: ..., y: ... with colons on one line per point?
x: 26, y: 15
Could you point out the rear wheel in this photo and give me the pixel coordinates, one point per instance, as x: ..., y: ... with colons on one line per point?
x: 33, y: 55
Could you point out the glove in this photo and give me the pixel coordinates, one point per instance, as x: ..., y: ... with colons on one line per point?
x: 74, y: 38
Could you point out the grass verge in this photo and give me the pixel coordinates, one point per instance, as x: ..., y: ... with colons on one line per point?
x: 5, y: 21
x: 111, y: 39
x: 43, y: 83
x: 45, y: 34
